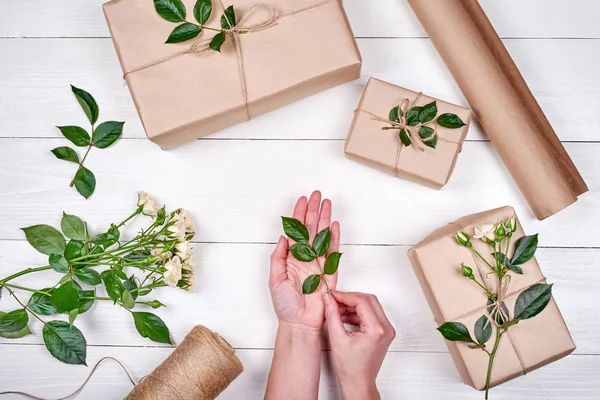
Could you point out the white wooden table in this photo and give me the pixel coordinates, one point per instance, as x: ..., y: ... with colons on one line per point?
x: 238, y: 182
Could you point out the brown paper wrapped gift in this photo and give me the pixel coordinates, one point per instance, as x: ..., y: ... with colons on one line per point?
x: 527, y: 346
x: 367, y: 143
x: 289, y: 50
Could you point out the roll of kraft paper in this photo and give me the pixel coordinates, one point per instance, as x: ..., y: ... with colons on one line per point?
x: 504, y: 105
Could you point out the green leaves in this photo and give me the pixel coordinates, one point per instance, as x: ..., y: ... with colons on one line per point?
x: 14, y: 334
x: 127, y: 299
x: 412, y: 116
x: 455, y: 332
x: 66, y: 343
x: 107, y: 239
x: 311, y: 284
x: 77, y: 135
x: 303, y: 252
x: 228, y: 19
x: 428, y: 112
x: 171, y: 10
x: 13, y: 321
x: 73, y: 227
x: 75, y: 249
x: 483, y: 329
x: 65, y: 298
x: 217, y: 41
x: 532, y: 301
x: 525, y: 248
x: 450, y: 121
x: 152, y: 327
x: 87, y: 103
x: 395, y: 114
x: 202, y: 11
x: 85, y: 182
x: 295, y: 229
x: 40, y: 304
x: 88, y: 276
x: 332, y: 263
x: 66, y: 153
x: 107, y: 133
x: 114, y: 286
x: 428, y: 136
x: 58, y: 263
x: 321, y: 242
x: 45, y: 239
x: 404, y: 137
x: 183, y: 32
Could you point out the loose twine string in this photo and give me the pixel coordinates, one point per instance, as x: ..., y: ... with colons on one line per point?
x: 202, y: 46
x: 417, y: 140
x: 200, y: 368
x: 496, y: 307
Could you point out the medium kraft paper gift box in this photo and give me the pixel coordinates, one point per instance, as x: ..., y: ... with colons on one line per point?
x: 291, y: 50
x: 529, y: 345
x: 368, y: 144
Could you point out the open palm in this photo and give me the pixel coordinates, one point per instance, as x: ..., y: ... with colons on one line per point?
x: 288, y: 274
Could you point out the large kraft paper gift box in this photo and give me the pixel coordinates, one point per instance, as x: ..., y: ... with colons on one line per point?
x: 381, y: 149
x: 292, y: 49
x: 526, y: 346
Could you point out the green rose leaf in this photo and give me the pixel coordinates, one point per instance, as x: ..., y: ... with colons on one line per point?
x: 202, y: 11
x: 483, y: 329
x: 428, y: 136
x: 45, y: 239
x: 88, y: 276
x: 73, y: 227
x: 412, y: 116
x: 495, y: 315
x: 77, y: 135
x: 66, y: 153
x: 40, y: 303
x: 322, y: 241
x: 74, y: 249
x: 66, y: 343
x: 107, y: 239
x: 114, y: 286
x: 302, y: 252
x: 107, y: 133
x: 525, y: 248
x: 65, y: 298
x: 311, y: 284
x: 72, y: 316
x: 120, y: 274
x: 127, y: 299
x: 13, y: 321
x: 532, y: 301
x: 332, y: 263
x: 16, y: 334
x: 217, y: 41
x: 428, y: 112
x: 395, y: 114
x: 171, y: 10
x: 131, y: 285
x: 228, y: 17
x: 455, y: 332
x: 295, y: 229
x: 450, y: 121
x: 152, y: 327
x: 86, y: 300
x: 404, y: 138
x: 58, y: 263
x: 85, y: 182
x: 138, y: 255
x: 183, y: 32
x: 503, y: 260
x: 87, y: 103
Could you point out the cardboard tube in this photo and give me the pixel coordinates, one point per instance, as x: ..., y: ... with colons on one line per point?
x: 504, y: 105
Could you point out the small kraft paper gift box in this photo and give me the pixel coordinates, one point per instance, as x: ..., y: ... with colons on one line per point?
x: 407, y: 134
x: 252, y: 59
x: 454, y: 297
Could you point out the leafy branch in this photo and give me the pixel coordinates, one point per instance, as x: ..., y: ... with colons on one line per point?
x: 102, y: 136
x: 303, y: 251
x: 529, y: 303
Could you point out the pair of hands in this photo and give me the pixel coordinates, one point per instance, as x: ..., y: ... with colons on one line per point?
x: 357, y: 356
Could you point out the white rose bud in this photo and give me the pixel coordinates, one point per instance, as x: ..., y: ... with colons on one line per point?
x: 486, y: 232
x: 183, y: 250
x: 173, y: 273
x: 511, y: 224
x: 463, y: 239
x: 182, y: 215
x: 147, y: 203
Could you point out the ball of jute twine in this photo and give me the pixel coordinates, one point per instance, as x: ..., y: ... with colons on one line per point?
x: 200, y: 368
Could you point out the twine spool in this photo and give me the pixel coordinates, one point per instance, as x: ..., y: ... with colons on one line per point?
x: 200, y: 368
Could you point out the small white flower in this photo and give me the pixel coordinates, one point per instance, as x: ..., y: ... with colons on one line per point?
x: 149, y: 207
x: 173, y: 273
x: 177, y: 230
x: 183, y: 250
x: 182, y: 215
x: 190, y: 264
x: 487, y: 231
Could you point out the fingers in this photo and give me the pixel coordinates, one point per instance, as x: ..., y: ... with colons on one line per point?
x: 335, y: 238
x: 312, y: 213
x: 332, y: 315
x: 278, y: 257
x: 369, y: 311
x: 299, y: 213
x: 324, y: 215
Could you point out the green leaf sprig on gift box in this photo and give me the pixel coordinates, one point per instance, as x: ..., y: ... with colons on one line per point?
x: 529, y: 303
x: 101, y: 137
x: 160, y: 255
x: 304, y: 251
x: 175, y: 11
x: 418, y: 124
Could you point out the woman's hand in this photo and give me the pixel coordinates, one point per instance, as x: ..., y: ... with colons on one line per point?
x: 357, y: 356
x: 294, y: 309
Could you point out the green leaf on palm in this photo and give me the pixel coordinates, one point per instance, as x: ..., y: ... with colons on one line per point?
x: 311, y: 284
x: 322, y: 242
x: 303, y: 252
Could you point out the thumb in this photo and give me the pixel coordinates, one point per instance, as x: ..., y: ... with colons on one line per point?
x: 332, y: 315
